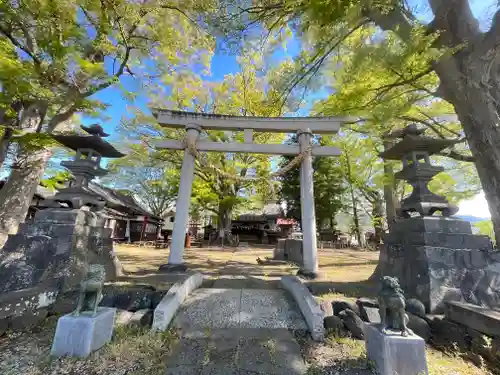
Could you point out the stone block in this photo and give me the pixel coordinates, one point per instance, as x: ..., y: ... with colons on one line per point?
x: 26, y: 308
x: 368, y: 302
x: 156, y: 297
x: 24, y: 262
x: 339, y: 306
x: 369, y: 314
x: 122, y: 317
x: 279, y: 250
x: 419, y: 326
x: 133, y: 299
x: 294, y: 251
x: 434, y: 224
x: 353, y: 323
x: 394, y: 354
x: 142, y: 318
x: 307, y: 304
x: 335, y: 324
x: 28, y: 320
x: 447, y: 333
x: 78, y: 336
x: 448, y: 240
x: 166, y: 309
x: 65, y: 303
x: 4, y: 325
x: 415, y: 307
x: 479, y: 318
x: 326, y: 307
x: 62, y: 215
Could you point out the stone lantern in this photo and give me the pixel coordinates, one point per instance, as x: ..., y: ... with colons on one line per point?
x: 86, y: 165
x: 437, y: 259
x: 48, y: 258
x: 414, y: 151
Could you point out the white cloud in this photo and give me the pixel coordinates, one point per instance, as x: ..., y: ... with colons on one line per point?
x: 476, y: 206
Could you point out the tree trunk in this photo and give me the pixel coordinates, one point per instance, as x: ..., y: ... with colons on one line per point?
x: 4, y: 144
x: 223, y: 233
x: 389, y: 190
x: 462, y: 84
x: 483, y: 136
x: 18, y: 191
x: 378, y: 221
x: 357, y: 231
x: 353, y: 198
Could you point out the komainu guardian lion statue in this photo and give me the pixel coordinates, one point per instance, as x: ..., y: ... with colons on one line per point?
x: 392, y: 305
x: 91, y: 289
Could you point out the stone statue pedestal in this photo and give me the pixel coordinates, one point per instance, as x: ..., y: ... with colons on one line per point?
x: 394, y: 354
x: 438, y: 259
x: 78, y: 336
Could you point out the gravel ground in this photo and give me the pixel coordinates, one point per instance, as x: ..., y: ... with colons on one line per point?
x: 132, y: 351
x: 335, y: 356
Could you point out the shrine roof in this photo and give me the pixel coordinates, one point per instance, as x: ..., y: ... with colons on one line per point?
x: 416, y: 143
x: 93, y: 142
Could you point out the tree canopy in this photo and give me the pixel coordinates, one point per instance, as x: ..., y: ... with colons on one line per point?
x: 54, y: 58
x: 447, y: 55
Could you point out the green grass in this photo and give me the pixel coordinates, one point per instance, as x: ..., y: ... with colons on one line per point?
x: 353, y: 352
x: 132, y: 351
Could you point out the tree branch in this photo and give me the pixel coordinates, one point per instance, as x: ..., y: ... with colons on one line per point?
x: 395, y: 20
x: 455, y: 20
x: 111, y: 80
x: 62, y: 116
x: 19, y: 45
x: 491, y: 39
x: 406, y: 81
x: 452, y: 154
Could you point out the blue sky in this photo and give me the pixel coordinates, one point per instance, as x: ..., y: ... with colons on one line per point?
x: 223, y: 64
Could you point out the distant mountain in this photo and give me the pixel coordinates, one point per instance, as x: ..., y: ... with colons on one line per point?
x: 472, y: 219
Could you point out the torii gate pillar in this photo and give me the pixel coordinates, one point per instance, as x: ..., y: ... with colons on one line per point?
x: 175, y: 259
x: 308, y: 215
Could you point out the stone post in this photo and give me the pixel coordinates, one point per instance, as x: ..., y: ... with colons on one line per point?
x: 310, y: 260
x: 182, y: 205
x: 127, y: 231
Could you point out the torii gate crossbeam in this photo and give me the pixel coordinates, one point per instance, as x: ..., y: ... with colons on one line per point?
x: 304, y: 126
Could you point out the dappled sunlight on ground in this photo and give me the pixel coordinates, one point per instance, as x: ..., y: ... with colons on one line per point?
x: 347, y: 264
x: 343, y: 271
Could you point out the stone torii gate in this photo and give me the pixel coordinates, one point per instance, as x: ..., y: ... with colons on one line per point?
x: 305, y: 127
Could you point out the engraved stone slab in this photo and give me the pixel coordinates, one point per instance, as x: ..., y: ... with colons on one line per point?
x: 394, y: 354
x: 78, y: 336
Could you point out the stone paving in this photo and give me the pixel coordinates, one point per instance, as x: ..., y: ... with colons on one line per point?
x: 237, y: 331
x: 238, y: 351
x: 239, y: 308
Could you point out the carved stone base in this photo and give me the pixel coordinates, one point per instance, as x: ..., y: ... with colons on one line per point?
x: 78, y: 336
x: 395, y: 354
x: 308, y: 274
x: 173, y: 268
x: 438, y: 259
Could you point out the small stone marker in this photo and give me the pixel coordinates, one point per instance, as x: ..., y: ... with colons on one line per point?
x: 78, y: 336
x: 395, y: 354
